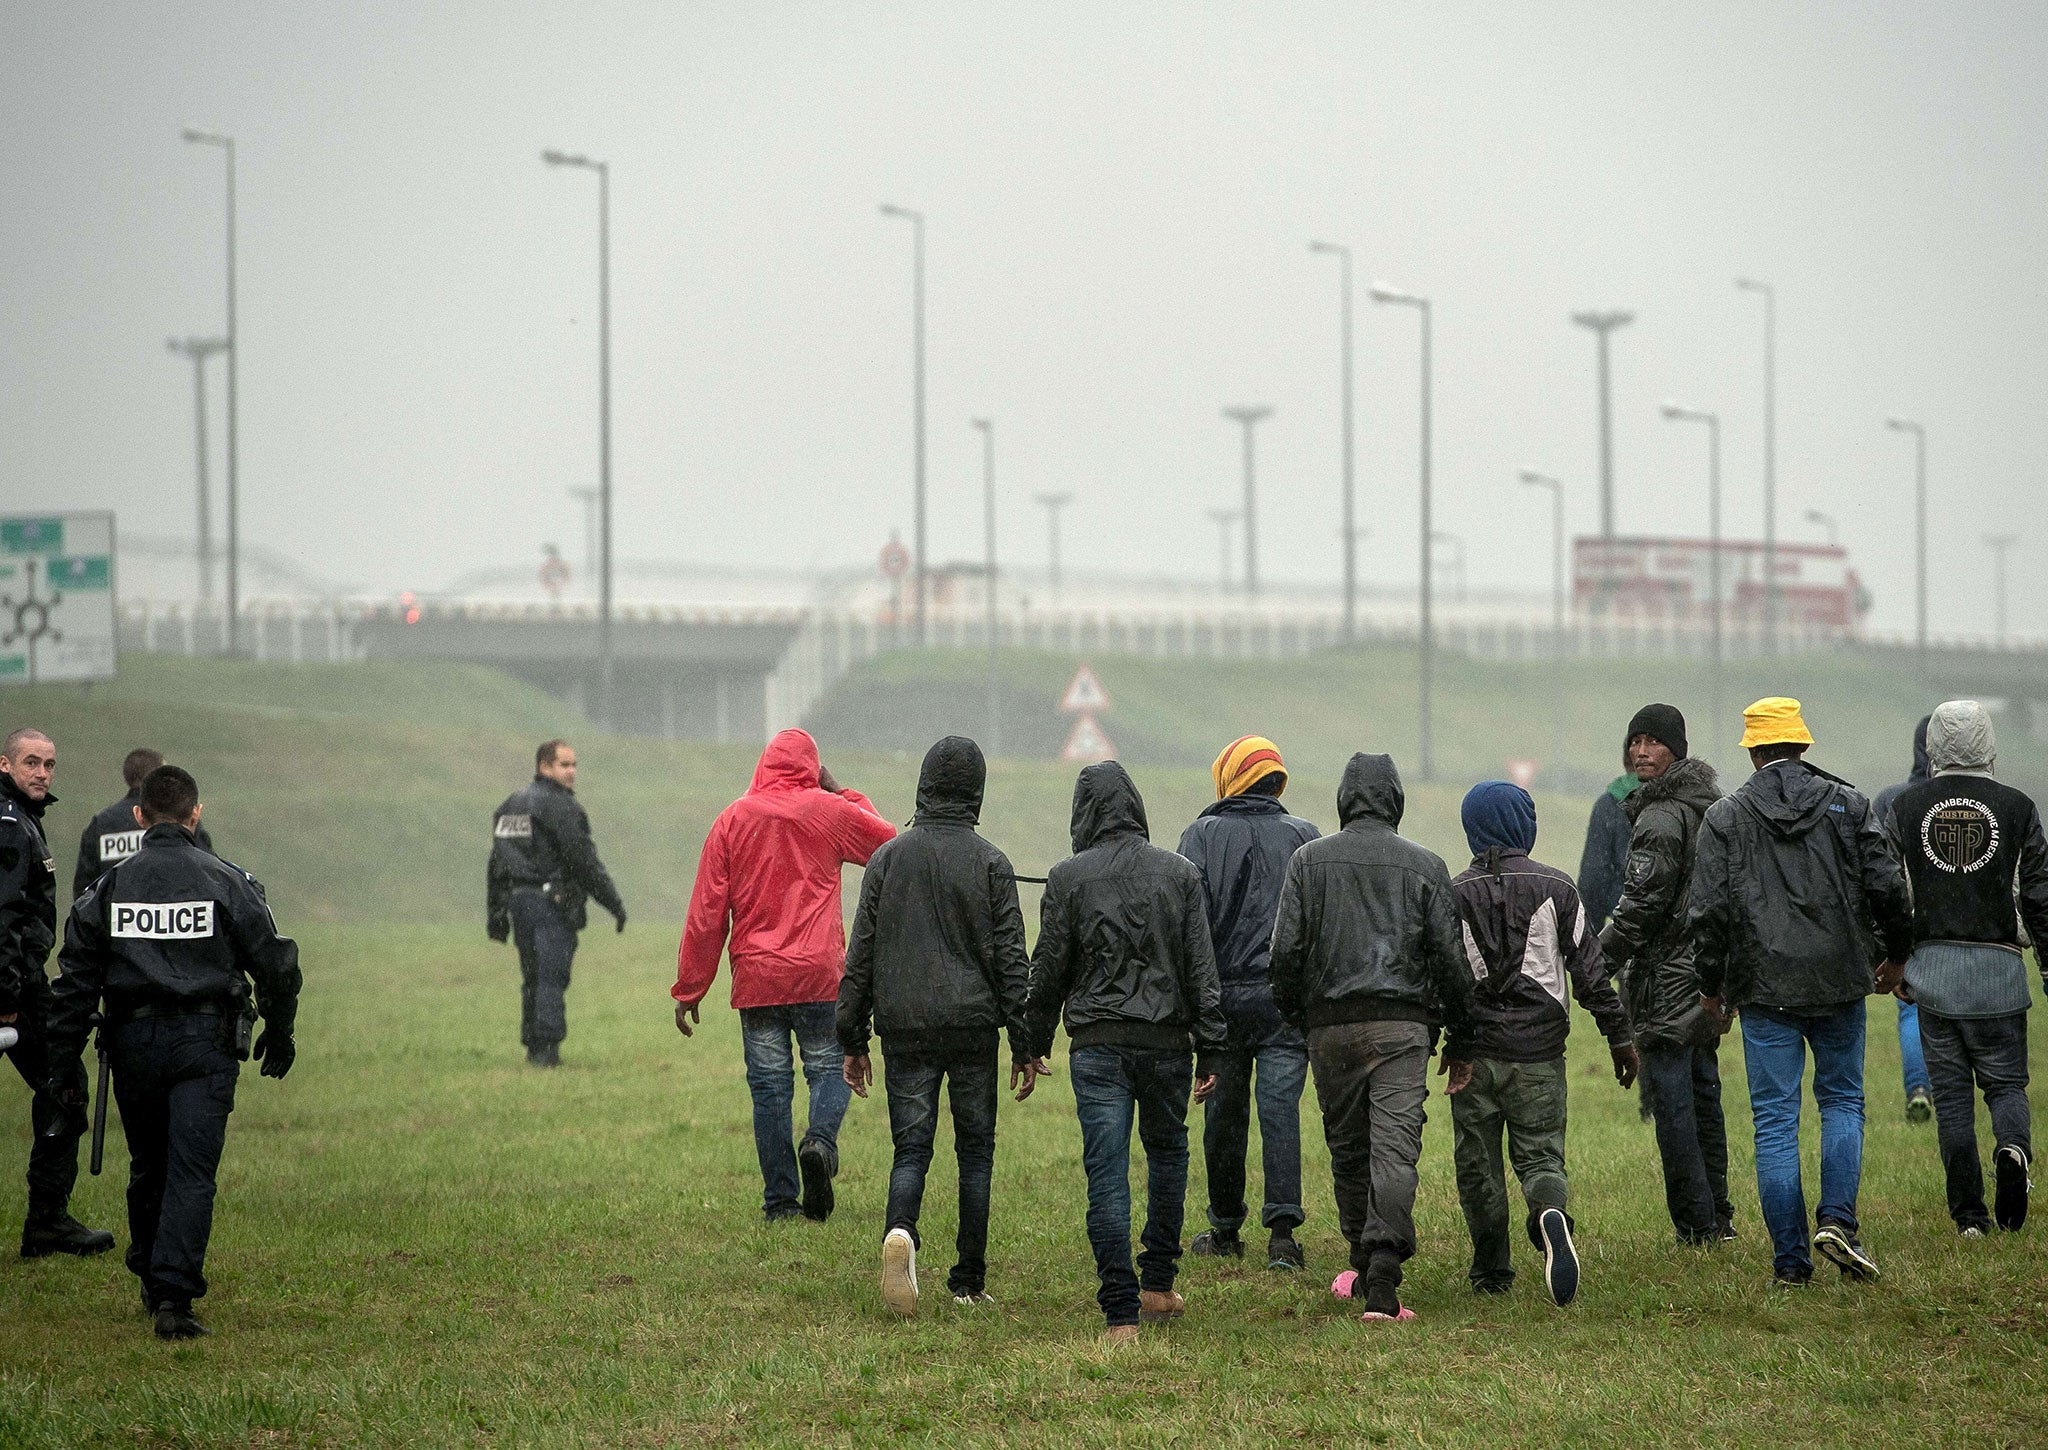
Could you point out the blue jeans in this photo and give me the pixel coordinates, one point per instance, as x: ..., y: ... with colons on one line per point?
x: 1912, y: 1061
x: 1282, y: 1073
x: 1774, y: 1042
x: 912, y: 1079
x: 765, y: 1033
x: 1112, y: 1086
x: 1988, y: 1053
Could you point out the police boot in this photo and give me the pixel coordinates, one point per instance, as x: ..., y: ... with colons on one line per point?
x: 62, y: 1235
x: 174, y: 1321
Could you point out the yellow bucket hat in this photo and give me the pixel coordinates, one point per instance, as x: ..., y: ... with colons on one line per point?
x: 1774, y: 721
x: 1245, y: 762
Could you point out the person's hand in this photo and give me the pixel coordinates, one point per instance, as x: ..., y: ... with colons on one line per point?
x: 1458, y: 1071
x: 686, y: 1013
x: 1890, y: 974
x: 498, y: 931
x: 1723, y: 1020
x: 10, y: 1016
x: 858, y: 1072
x: 825, y: 780
x: 1627, y: 1065
x: 275, y: 1050
x: 1205, y: 1088
x: 1025, y: 1073
x: 622, y: 921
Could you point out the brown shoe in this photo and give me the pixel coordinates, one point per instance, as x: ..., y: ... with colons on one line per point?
x: 1159, y: 1306
x: 1120, y: 1334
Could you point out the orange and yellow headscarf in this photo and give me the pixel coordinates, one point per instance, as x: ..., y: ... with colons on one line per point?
x: 1245, y: 762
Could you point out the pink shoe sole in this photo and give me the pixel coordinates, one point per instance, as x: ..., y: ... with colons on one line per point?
x: 1341, y: 1285
x: 1373, y: 1316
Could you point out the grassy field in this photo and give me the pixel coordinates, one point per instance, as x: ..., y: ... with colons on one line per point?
x: 422, y: 1241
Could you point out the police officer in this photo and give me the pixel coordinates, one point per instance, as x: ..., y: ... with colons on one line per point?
x: 28, y: 929
x: 170, y: 939
x: 113, y: 836
x: 543, y: 866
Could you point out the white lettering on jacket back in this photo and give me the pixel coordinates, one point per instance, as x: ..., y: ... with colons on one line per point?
x: 119, y: 846
x: 163, y: 920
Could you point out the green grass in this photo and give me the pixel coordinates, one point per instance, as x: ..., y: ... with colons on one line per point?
x: 420, y: 1241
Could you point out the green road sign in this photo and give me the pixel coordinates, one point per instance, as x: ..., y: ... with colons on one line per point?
x: 32, y: 535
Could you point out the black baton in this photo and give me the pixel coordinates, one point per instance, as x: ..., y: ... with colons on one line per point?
x: 99, y: 1110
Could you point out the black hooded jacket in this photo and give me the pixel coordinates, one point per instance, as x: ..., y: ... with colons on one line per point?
x: 1123, y: 937
x: 1241, y: 845
x: 1881, y: 804
x: 1646, y: 940
x: 1368, y: 925
x: 1796, y: 894
x: 936, y: 957
x: 28, y: 897
x: 111, y: 837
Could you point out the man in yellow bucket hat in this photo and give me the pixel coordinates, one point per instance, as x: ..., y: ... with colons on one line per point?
x: 1797, y: 897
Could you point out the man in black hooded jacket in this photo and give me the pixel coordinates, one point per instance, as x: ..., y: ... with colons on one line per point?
x: 1647, y: 946
x: 1367, y: 961
x: 1124, y: 957
x: 937, y: 962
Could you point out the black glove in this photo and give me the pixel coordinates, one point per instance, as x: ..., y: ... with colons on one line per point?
x: 622, y: 919
x: 275, y: 1050
x: 66, y: 1088
x: 498, y: 928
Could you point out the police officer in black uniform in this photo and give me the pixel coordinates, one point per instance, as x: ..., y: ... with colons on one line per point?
x: 113, y: 836
x: 170, y: 939
x: 28, y: 929
x: 543, y: 866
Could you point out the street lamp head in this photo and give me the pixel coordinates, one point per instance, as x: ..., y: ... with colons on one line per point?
x: 982, y: 423
x: 1750, y: 284
x: 1902, y: 425
x: 564, y: 158
x: 891, y: 209
x: 1679, y: 412
x: 1386, y: 292
x: 1540, y: 480
x: 1603, y: 321
x: 206, y: 138
x: 1054, y: 500
x: 1247, y: 415
x: 1815, y: 516
x: 1333, y: 248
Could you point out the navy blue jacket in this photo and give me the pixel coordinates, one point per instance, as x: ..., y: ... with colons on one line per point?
x: 1241, y: 845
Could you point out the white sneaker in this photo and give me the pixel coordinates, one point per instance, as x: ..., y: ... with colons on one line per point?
x: 899, y: 1272
x: 982, y: 1298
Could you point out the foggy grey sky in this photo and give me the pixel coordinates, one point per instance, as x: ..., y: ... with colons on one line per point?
x: 1119, y: 202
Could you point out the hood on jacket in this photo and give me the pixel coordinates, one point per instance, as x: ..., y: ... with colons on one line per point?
x: 1370, y: 790
x: 1960, y: 737
x: 1623, y: 786
x: 1106, y: 803
x: 1790, y: 796
x: 1498, y: 815
x: 1691, y: 781
x: 1921, y: 769
x: 789, y: 763
x: 951, y: 781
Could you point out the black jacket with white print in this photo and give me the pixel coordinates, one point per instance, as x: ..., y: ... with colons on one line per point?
x: 1525, y: 933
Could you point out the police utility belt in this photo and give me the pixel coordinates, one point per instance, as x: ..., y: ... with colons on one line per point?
x: 557, y: 895
x: 243, y: 1016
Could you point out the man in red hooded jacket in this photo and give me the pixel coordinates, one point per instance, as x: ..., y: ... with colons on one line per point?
x: 769, y: 878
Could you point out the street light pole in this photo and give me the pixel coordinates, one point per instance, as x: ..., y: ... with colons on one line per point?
x: 1384, y: 294
x: 199, y: 349
x: 1343, y: 255
x: 916, y: 220
x: 1224, y: 519
x: 1903, y: 425
x: 1248, y: 416
x: 1556, y: 487
x: 588, y: 498
x: 987, y: 430
x: 1603, y: 323
x: 1053, y: 503
x: 604, y: 423
x: 1770, y: 297
x: 1713, y: 421
x: 1999, y: 544
x: 227, y: 148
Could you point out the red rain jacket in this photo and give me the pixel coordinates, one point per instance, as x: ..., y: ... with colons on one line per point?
x: 769, y: 875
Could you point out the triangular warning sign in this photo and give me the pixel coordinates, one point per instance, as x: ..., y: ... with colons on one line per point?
x: 1085, y: 694
x: 1087, y: 744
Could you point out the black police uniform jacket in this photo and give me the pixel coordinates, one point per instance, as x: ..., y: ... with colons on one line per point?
x: 28, y: 898
x: 937, y: 954
x: 111, y: 837
x: 1368, y: 924
x: 1796, y: 893
x: 540, y: 840
x: 1647, y: 939
x: 1123, y: 936
x: 173, y: 926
